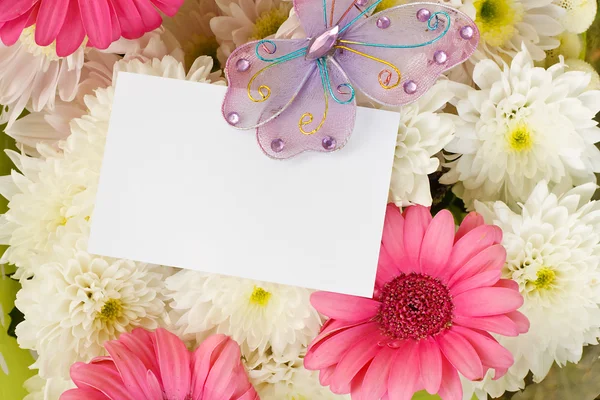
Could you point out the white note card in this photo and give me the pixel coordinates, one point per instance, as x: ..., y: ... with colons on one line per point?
x: 180, y: 187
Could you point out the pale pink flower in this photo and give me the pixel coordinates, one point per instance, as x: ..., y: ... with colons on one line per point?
x: 157, y: 365
x: 437, y: 295
x: 68, y: 22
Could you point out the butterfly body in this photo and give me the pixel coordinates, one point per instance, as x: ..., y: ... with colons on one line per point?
x: 299, y: 94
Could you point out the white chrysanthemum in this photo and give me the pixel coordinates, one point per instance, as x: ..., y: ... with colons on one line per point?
x: 258, y: 315
x: 553, y: 254
x: 522, y: 125
x: 75, y: 304
x: 246, y: 20
x: 506, y: 25
x: 579, y: 14
x: 423, y: 132
x: 276, y: 378
x: 33, y: 76
x: 191, y: 28
x: 42, y: 389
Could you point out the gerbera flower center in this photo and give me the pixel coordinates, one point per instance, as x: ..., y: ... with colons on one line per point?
x: 200, y: 45
x: 260, y: 296
x: 269, y: 22
x: 519, y: 139
x: 415, y: 306
x: 545, y: 277
x: 497, y: 20
x: 111, y: 310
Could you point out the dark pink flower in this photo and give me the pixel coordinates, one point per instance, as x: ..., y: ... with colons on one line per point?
x: 437, y: 296
x: 157, y: 366
x: 68, y: 22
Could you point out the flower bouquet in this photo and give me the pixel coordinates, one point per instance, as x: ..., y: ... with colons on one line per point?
x: 488, y: 280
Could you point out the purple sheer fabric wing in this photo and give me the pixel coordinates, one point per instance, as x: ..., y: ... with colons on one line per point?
x: 260, y: 90
x: 374, y: 69
x: 314, y: 121
x: 316, y: 16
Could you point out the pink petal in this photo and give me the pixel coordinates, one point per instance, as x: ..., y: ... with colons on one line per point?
x: 461, y: 354
x: 404, y: 373
x: 437, y: 243
x: 174, y: 363
x: 508, y: 283
x: 497, y: 234
x: 387, y: 269
x: 50, y: 20
x: 486, y: 301
x: 357, y: 382
x: 11, y: 30
x: 329, y: 351
x: 153, y: 387
x: 132, y: 26
x: 13, y: 9
x: 96, y: 18
x: 100, y: 377
x: 169, y: 7
x: 489, y: 259
x: 219, y: 384
x: 325, y: 375
x: 131, y: 369
x: 352, y: 362
x: 83, y: 394
x: 500, y: 324
x: 375, y: 380
x: 520, y: 320
x: 467, y: 247
x: 430, y: 361
x: 72, y: 33
x: 344, y: 307
x: 139, y: 342
x: 416, y: 221
x: 393, y: 234
x: 202, y: 362
x: 150, y: 16
x: 491, y: 353
x: 115, y: 24
x: 470, y: 222
x: 483, y: 279
x: 451, y: 387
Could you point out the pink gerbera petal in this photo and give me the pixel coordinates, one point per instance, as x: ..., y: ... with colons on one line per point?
x: 481, y: 302
x: 500, y: 324
x: 520, y: 320
x: 461, y: 354
x: 437, y: 243
x: 150, y: 16
x: 483, y: 279
x: 378, y: 371
x: 130, y: 20
x: 352, y: 362
x: 404, y: 380
x: 417, y: 220
x: 83, y: 394
x: 470, y: 222
x: 72, y: 34
x: 174, y: 364
x: 11, y: 30
x: 489, y: 259
x: 467, y: 247
x: 344, y: 307
x: 12, y: 9
x: 491, y: 353
x: 102, y: 378
x: 451, y: 387
x: 393, y: 234
x: 50, y: 21
x: 430, y: 362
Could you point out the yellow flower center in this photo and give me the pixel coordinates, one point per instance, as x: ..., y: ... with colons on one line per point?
x: 497, y: 19
x: 111, y: 310
x: 200, y: 45
x: 385, y: 4
x: 260, y: 296
x: 269, y: 22
x: 545, y: 277
x: 519, y: 139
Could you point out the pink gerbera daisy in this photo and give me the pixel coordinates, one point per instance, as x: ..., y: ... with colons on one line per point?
x: 437, y: 295
x: 157, y: 366
x: 68, y: 22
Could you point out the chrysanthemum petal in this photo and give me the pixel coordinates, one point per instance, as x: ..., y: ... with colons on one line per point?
x: 486, y: 301
x: 437, y: 243
x: 344, y: 307
x: 430, y: 361
x: 461, y: 354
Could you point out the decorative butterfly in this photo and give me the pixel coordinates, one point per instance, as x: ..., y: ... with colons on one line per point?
x: 299, y: 94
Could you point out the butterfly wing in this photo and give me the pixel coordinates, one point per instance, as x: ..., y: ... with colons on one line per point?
x: 263, y: 78
x: 316, y: 16
x: 396, y: 55
x: 315, y: 120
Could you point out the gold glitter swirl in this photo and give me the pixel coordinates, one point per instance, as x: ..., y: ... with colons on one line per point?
x: 307, y: 118
x: 383, y: 80
x: 263, y: 90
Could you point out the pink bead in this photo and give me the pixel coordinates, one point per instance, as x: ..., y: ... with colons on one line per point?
x: 329, y: 143
x: 242, y: 65
x: 383, y: 22
x: 410, y: 87
x: 233, y: 118
x: 440, y: 57
x: 467, y: 32
x: 277, y: 145
x: 423, y: 14
x: 322, y: 44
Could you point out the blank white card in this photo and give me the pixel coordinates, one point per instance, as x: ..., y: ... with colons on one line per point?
x: 180, y: 187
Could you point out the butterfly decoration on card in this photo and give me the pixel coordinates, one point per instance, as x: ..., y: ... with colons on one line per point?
x: 300, y: 94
